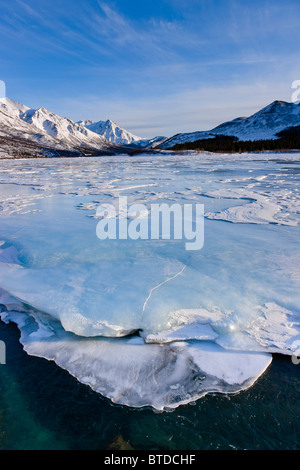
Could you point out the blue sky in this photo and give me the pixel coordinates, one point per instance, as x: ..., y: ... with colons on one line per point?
x: 156, y: 67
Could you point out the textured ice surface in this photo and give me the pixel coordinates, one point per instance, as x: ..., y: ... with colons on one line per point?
x: 76, y: 293
x: 203, y: 321
x: 262, y: 208
x: 133, y: 373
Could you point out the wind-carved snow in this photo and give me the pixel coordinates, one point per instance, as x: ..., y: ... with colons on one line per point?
x: 261, y: 210
x: 146, y: 323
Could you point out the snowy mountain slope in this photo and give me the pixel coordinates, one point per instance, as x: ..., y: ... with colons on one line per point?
x: 46, y: 128
x: 151, y: 143
x: 264, y: 124
x: 69, y: 132
x: 12, y: 126
x: 185, y: 137
x: 13, y: 108
x: 18, y: 147
x: 118, y: 135
x: 112, y: 132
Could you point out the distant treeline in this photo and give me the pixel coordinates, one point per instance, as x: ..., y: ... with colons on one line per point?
x: 288, y: 139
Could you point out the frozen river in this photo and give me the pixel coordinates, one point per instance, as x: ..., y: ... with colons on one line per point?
x: 146, y: 322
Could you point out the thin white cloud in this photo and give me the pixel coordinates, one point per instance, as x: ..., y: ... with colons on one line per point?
x: 32, y: 12
x: 152, y: 37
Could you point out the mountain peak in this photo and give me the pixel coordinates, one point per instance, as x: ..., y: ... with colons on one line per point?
x: 85, y: 123
x: 113, y: 132
x: 13, y: 108
x: 277, y: 105
x: 111, y: 123
x: 263, y: 125
x: 43, y: 126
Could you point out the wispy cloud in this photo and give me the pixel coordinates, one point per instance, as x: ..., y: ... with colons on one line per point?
x: 153, y: 38
x: 31, y: 11
x: 101, y: 28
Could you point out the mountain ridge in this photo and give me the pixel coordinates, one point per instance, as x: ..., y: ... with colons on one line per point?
x: 45, y: 133
x: 47, y: 129
x: 111, y: 131
x: 48, y: 132
x: 262, y: 125
x: 118, y: 135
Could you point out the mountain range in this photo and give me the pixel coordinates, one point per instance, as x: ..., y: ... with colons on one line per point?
x: 39, y: 132
x: 25, y: 131
x: 263, y: 125
x: 117, y: 135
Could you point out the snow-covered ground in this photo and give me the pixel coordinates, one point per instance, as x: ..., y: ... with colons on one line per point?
x: 200, y: 322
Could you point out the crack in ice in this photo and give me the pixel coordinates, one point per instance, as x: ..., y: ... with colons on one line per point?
x: 161, y: 284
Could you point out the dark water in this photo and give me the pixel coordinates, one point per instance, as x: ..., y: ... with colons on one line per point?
x: 43, y: 407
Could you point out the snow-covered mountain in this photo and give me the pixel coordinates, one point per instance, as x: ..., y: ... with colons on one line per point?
x: 46, y: 128
x: 151, y: 143
x: 185, y: 137
x: 118, y: 135
x: 29, y: 130
x: 265, y: 124
x: 12, y: 126
x: 13, y: 108
x: 111, y: 131
x: 69, y: 132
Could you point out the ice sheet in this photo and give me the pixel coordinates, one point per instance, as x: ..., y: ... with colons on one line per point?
x: 204, y: 321
x: 132, y: 373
